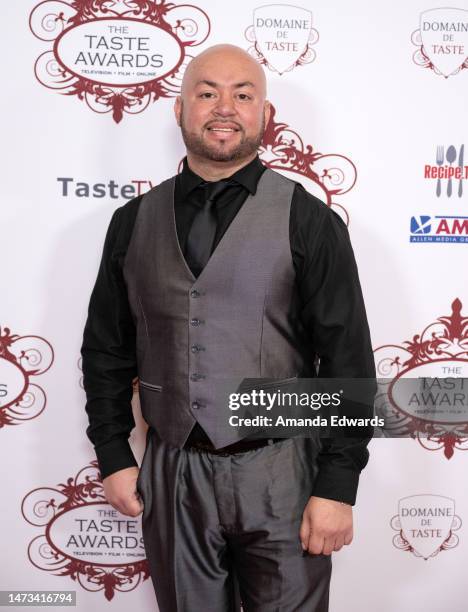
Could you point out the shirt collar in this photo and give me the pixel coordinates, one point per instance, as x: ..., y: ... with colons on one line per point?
x: 247, y: 176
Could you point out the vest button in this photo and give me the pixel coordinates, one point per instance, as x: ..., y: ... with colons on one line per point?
x: 195, y: 348
x: 195, y: 322
x: 194, y: 293
x: 195, y: 405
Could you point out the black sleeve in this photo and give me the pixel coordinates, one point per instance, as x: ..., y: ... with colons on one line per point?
x: 108, y: 351
x: 333, y: 313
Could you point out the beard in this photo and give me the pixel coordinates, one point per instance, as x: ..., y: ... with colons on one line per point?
x: 216, y: 151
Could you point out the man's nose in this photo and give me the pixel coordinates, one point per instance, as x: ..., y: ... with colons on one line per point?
x: 225, y: 105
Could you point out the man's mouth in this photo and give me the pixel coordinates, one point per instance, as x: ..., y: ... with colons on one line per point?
x: 218, y: 128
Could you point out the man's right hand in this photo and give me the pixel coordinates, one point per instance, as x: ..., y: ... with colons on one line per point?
x: 121, y: 493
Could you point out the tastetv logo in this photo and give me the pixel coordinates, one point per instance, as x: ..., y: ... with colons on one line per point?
x: 439, y: 228
x: 113, y: 56
x: 109, y: 189
x: 449, y: 170
x: 425, y: 525
x: 282, y: 36
x: 442, y: 40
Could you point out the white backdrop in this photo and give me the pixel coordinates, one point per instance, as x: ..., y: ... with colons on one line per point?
x: 367, y: 100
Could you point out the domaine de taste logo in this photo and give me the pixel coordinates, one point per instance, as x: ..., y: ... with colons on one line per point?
x: 442, y: 41
x: 425, y: 525
x: 22, y: 360
x: 116, y: 56
x: 83, y: 537
x: 282, y: 36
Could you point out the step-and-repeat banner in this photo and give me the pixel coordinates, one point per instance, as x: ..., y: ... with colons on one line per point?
x: 370, y: 115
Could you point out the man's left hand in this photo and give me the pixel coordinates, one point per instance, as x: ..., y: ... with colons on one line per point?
x: 327, y: 525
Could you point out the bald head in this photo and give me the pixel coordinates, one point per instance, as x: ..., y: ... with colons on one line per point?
x: 231, y: 60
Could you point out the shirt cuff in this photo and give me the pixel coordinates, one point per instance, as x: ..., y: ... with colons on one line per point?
x: 115, y: 455
x: 337, y: 483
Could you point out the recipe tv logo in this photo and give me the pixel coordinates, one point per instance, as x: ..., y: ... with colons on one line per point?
x: 449, y: 170
x: 439, y: 228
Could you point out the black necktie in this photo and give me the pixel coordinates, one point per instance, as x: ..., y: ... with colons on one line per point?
x: 202, y: 233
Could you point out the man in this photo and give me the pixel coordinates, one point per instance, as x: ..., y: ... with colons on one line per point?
x: 228, y: 269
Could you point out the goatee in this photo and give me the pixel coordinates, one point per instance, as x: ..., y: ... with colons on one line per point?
x: 196, y: 145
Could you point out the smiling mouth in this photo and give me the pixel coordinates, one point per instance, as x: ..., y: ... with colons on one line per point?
x: 220, y: 129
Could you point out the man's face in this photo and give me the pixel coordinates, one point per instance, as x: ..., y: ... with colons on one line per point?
x: 222, y: 113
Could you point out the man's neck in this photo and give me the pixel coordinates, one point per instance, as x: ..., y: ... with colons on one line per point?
x: 214, y: 171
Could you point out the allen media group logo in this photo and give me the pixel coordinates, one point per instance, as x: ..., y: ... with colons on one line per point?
x: 442, y: 41
x: 282, y: 37
x: 439, y: 228
x: 116, y: 56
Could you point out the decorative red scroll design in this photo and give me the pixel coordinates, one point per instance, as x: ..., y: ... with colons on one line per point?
x: 442, y: 341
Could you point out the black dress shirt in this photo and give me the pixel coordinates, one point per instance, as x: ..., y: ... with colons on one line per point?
x: 333, y: 313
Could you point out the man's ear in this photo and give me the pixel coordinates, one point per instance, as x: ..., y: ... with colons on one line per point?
x: 178, y: 109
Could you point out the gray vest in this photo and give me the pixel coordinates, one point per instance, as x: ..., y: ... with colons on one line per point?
x: 238, y: 319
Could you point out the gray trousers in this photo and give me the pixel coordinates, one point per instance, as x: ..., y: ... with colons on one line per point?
x: 220, y: 530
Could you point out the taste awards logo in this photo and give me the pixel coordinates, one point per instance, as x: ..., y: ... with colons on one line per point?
x: 22, y: 360
x: 423, y: 393
x: 83, y: 537
x: 282, y: 37
x: 426, y: 525
x: 442, y: 41
x: 116, y: 56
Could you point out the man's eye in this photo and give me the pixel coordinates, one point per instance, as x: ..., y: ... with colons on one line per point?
x: 244, y: 96
x: 206, y: 94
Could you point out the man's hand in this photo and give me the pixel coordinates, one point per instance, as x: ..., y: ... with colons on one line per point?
x: 120, y: 491
x: 326, y: 526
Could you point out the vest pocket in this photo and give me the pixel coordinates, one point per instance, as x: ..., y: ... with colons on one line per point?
x: 257, y: 383
x: 280, y: 381
x: 149, y: 386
